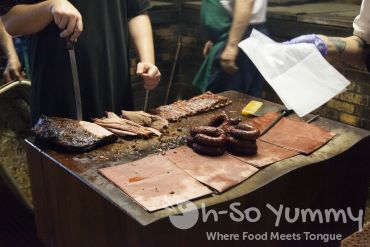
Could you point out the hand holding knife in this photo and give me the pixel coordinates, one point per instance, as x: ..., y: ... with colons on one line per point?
x: 151, y: 76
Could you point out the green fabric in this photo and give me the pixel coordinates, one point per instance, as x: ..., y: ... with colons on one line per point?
x: 215, y: 24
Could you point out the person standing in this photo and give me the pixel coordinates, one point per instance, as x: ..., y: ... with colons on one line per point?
x: 101, y: 31
x: 225, y: 23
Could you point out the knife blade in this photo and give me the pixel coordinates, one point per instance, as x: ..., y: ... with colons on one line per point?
x: 76, y: 82
x: 146, y: 99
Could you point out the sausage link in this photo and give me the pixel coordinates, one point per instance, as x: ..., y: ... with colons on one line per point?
x: 189, y: 141
x: 210, y: 140
x: 206, y: 150
x: 219, y: 120
x: 207, y: 130
x: 244, y: 144
x: 234, y: 121
x: 243, y: 132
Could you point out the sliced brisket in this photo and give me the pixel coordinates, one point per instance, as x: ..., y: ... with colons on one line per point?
x: 71, y: 135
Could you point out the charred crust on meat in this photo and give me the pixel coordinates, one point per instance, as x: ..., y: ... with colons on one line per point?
x: 207, y: 130
x: 207, y: 140
x: 68, y: 135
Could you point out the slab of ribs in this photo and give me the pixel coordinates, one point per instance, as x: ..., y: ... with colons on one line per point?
x: 183, y: 108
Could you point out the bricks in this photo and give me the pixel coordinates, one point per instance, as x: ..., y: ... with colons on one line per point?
x: 355, y: 98
x: 341, y: 106
x: 349, y: 119
x: 328, y: 112
x: 363, y: 88
x: 362, y: 111
x: 352, y: 87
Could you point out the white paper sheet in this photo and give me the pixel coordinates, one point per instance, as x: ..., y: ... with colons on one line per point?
x: 298, y: 73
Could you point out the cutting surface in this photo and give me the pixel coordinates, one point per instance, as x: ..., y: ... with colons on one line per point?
x: 85, y: 166
x: 220, y: 173
x: 155, y: 182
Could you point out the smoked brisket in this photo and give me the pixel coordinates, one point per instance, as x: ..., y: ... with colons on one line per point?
x: 71, y: 135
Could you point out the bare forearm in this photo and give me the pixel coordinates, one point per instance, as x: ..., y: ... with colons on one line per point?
x: 350, y: 49
x: 27, y: 19
x: 142, y: 36
x: 241, y: 17
x: 7, y: 43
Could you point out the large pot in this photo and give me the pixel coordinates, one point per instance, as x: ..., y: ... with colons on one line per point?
x: 15, y: 119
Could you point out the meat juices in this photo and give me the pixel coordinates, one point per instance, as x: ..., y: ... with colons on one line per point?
x: 71, y: 135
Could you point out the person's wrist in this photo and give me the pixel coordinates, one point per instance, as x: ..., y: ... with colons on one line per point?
x: 321, y: 43
x: 49, y: 8
x: 232, y: 47
x: 146, y: 61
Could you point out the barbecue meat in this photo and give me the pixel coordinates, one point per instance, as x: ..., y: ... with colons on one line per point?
x: 146, y: 119
x: 71, y: 135
x: 183, y: 108
x: 124, y: 127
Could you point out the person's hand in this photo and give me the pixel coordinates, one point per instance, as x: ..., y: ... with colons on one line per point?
x: 67, y: 18
x: 150, y: 74
x: 228, y: 59
x: 207, y: 47
x: 310, y: 39
x: 13, y: 71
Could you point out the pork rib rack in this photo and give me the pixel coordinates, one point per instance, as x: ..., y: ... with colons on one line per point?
x: 199, y: 104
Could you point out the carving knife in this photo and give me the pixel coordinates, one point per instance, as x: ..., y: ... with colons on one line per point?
x: 76, y: 82
x: 146, y: 99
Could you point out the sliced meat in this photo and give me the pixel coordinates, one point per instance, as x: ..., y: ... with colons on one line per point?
x: 122, y: 133
x: 124, y: 127
x: 139, y: 117
x: 146, y: 119
x: 71, y: 135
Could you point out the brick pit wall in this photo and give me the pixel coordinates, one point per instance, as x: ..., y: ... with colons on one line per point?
x: 351, y: 107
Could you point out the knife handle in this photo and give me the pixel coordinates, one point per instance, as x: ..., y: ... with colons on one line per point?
x: 69, y: 45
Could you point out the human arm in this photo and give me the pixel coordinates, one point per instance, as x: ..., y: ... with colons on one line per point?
x: 141, y: 33
x: 24, y: 19
x: 241, y: 16
x: 13, y: 70
x: 350, y: 49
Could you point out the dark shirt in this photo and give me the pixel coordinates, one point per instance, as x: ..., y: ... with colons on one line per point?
x: 102, y: 61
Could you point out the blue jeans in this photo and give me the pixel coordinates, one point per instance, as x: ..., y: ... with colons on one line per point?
x: 246, y: 80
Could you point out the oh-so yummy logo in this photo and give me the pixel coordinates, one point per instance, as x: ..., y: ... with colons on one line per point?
x: 188, y: 215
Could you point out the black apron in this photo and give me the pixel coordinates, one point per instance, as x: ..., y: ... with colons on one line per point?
x: 102, y: 61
